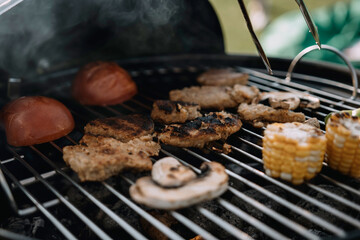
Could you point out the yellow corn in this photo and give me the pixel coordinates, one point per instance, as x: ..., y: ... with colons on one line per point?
x: 343, y: 143
x: 293, y: 151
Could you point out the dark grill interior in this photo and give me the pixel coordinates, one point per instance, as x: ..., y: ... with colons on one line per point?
x: 51, y: 203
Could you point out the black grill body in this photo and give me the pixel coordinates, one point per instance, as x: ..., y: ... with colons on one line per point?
x: 41, y: 197
x: 330, y: 196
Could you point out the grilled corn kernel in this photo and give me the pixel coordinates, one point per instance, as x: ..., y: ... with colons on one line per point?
x: 293, y: 151
x: 343, y: 143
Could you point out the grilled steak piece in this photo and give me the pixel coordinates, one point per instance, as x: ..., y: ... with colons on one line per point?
x: 196, y: 133
x: 222, y: 77
x: 98, y: 158
x: 217, y: 97
x: 124, y: 128
x: 166, y: 111
x: 260, y: 115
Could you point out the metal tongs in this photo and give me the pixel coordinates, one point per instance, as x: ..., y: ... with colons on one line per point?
x: 307, y: 17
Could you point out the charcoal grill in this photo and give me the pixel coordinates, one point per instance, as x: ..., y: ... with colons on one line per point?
x: 40, y: 184
x: 41, y: 197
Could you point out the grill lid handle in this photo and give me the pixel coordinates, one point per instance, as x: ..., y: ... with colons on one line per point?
x: 332, y: 49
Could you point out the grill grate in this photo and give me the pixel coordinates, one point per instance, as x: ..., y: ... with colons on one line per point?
x: 326, y: 206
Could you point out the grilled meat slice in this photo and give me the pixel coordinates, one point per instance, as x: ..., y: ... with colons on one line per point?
x: 166, y: 111
x: 260, y: 115
x: 289, y: 100
x: 124, y: 128
x: 222, y: 77
x: 244, y: 94
x: 217, y: 97
x: 98, y: 158
x: 196, y: 133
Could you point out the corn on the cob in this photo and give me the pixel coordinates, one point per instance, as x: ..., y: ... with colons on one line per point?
x: 293, y: 151
x: 343, y: 143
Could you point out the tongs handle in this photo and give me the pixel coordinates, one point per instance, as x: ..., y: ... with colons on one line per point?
x: 309, y: 21
x: 254, y: 37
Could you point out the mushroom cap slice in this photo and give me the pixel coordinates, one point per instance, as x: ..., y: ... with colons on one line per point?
x: 168, y: 172
x: 308, y: 101
x: 289, y: 100
x: 284, y: 100
x: 210, y: 184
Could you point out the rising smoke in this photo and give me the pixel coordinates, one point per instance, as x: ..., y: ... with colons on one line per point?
x: 47, y: 35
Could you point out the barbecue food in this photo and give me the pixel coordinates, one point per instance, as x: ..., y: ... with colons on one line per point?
x: 103, y: 83
x: 98, y: 158
x: 222, y: 77
x: 260, y: 115
x: 112, y: 145
x: 293, y: 151
x: 313, y: 122
x: 35, y: 120
x: 217, y: 97
x: 289, y: 100
x: 196, y: 133
x: 124, y: 128
x: 343, y: 146
x: 170, y: 173
x: 166, y: 111
x: 211, y: 183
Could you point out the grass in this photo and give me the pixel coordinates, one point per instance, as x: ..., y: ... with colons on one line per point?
x: 236, y: 36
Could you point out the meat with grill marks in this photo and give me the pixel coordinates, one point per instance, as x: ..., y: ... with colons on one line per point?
x: 112, y: 145
x: 166, y: 111
x: 202, y: 130
x: 216, y: 97
x: 122, y: 128
x: 260, y: 115
x: 222, y: 77
x: 98, y: 158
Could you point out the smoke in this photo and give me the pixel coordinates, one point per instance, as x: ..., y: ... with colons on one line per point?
x: 36, y: 36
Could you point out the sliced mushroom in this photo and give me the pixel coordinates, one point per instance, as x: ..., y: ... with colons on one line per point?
x: 308, y: 101
x: 289, y: 100
x: 168, y: 172
x: 284, y: 100
x: 211, y: 183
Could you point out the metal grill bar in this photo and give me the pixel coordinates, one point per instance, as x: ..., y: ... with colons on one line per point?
x: 258, y: 76
x: 195, y: 228
x: 132, y: 231
x: 82, y: 217
x: 271, y: 232
x: 228, y: 227
x: 159, y: 225
x: 263, y: 82
x: 326, y: 207
x: 287, y: 222
x: 253, y: 221
x: 323, y: 191
x: 40, y: 206
x: 350, y: 189
x: 315, y: 219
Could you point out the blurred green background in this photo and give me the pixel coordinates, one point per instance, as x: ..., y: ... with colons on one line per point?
x: 237, y: 37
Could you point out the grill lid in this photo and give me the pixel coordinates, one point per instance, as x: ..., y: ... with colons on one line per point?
x: 46, y: 36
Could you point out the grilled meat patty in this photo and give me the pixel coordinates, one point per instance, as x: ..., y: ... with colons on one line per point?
x: 260, y: 115
x: 98, y: 158
x: 222, y: 77
x: 196, y: 133
x: 124, y: 128
x: 166, y: 111
x: 217, y: 97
